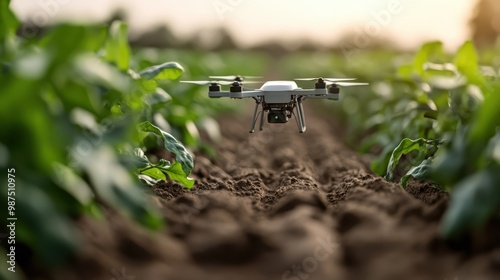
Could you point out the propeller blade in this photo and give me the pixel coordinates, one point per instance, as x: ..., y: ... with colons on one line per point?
x: 202, y: 83
x: 326, y: 79
x: 306, y: 79
x: 250, y: 82
x: 344, y: 84
x: 338, y: 79
x: 224, y: 83
x: 234, y: 77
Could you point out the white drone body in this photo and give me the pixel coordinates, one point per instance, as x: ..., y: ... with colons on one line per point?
x: 279, y: 86
x: 279, y: 99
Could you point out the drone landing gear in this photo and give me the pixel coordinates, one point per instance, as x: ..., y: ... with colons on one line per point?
x: 301, y: 121
x: 256, y: 116
x: 299, y: 115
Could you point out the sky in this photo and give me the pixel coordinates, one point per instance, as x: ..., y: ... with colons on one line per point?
x: 408, y: 22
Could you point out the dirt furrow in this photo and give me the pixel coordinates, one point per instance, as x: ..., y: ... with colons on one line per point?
x: 283, y: 205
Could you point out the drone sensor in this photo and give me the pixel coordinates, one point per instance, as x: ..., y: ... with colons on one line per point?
x: 277, y: 117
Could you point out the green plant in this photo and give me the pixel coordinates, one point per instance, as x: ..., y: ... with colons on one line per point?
x: 430, y: 115
x: 177, y: 171
x: 469, y: 165
x: 72, y: 113
x: 454, y: 150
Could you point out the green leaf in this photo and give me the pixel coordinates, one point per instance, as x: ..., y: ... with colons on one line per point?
x: 427, y: 51
x: 113, y: 183
x: 173, y: 171
x: 140, y: 159
x: 153, y: 172
x: 73, y: 184
x: 406, y: 146
x: 449, y: 165
x: 117, y: 47
x: 466, y: 61
x: 157, y: 99
x: 8, y: 24
x: 405, y: 72
x: 66, y: 40
x: 181, y: 154
x: 493, y: 148
x: 379, y: 163
x: 418, y: 172
x: 165, y: 71
x: 49, y: 232
x: 487, y: 119
x: 96, y: 72
x: 475, y: 200
x: 176, y: 173
x: 469, y: 145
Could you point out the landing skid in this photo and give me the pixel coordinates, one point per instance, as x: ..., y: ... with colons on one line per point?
x: 297, y: 111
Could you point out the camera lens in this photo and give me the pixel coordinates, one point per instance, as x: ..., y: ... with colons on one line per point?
x: 277, y: 117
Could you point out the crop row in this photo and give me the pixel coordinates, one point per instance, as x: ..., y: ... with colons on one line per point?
x: 431, y: 115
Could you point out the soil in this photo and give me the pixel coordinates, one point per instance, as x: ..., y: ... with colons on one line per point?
x: 282, y: 205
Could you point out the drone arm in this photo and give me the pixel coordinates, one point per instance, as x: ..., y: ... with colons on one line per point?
x: 330, y: 96
x: 218, y: 94
x: 246, y: 94
x: 310, y: 92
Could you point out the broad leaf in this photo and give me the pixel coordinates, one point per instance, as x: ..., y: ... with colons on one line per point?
x: 114, y: 184
x: 425, y: 54
x: 176, y: 173
x: 64, y: 41
x: 117, y: 47
x: 486, y: 119
x: 418, y: 172
x: 96, y: 72
x: 165, y: 71
x: 157, y: 99
x: 73, y: 184
x: 181, y: 154
x: 406, y: 146
x: 473, y: 202
x: 379, y: 163
x: 164, y: 168
x: 56, y: 238
x: 467, y: 61
x: 154, y: 173
x: 8, y: 24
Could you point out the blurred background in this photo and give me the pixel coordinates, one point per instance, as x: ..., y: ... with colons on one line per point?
x: 290, y: 26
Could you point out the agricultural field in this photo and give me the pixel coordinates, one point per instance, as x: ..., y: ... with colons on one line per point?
x: 115, y: 170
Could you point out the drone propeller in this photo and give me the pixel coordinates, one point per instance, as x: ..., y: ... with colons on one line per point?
x: 326, y: 79
x: 250, y: 82
x: 235, y: 77
x: 202, y: 83
x: 344, y: 84
x: 224, y: 83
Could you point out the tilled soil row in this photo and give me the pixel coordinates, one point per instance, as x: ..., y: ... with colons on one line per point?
x: 282, y: 205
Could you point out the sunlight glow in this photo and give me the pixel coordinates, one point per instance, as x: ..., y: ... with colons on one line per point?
x: 254, y: 21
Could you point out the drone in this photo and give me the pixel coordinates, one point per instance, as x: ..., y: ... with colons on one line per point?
x: 280, y: 100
